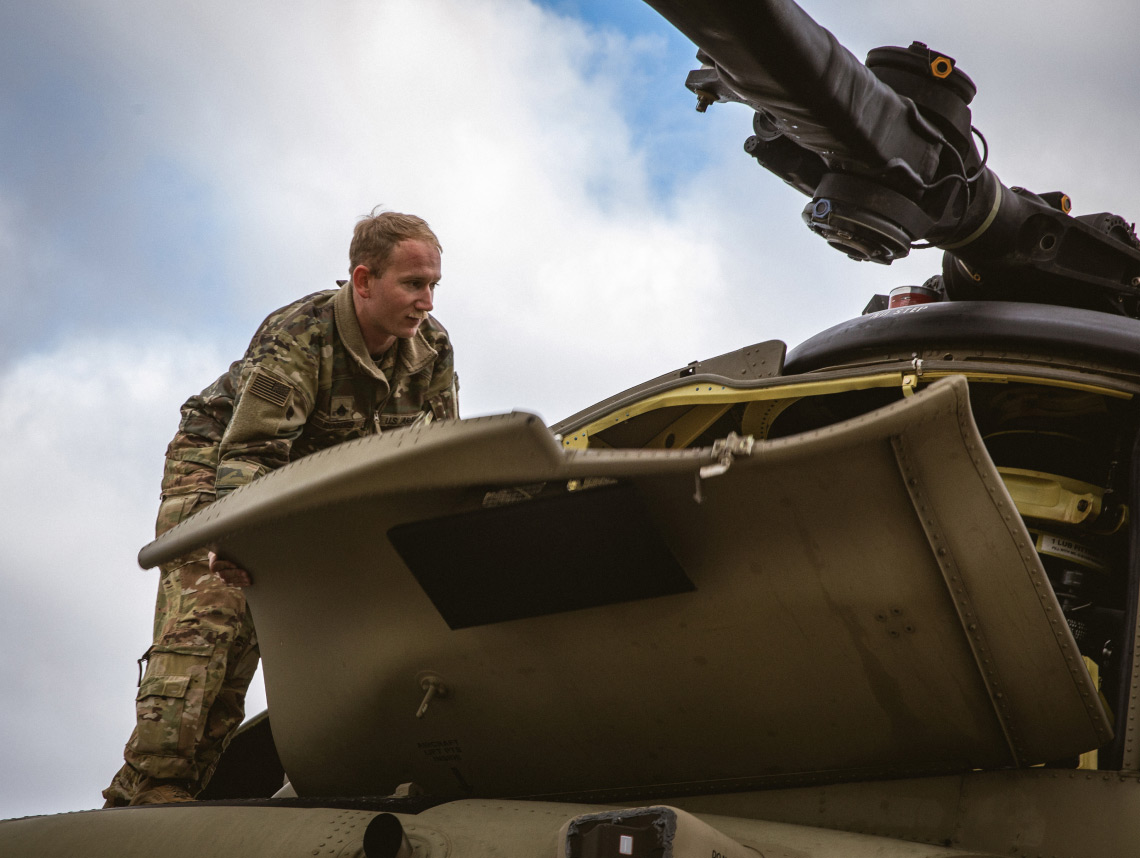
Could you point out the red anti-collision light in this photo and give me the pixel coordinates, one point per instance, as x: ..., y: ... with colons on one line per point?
x: 904, y: 296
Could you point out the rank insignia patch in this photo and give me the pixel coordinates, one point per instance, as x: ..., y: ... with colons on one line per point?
x: 341, y: 408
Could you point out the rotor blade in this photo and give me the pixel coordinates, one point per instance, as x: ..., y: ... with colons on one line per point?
x: 775, y: 57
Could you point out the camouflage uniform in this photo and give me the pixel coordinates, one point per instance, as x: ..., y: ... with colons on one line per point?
x: 306, y: 383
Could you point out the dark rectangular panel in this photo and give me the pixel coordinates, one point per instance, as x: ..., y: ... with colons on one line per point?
x: 578, y: 550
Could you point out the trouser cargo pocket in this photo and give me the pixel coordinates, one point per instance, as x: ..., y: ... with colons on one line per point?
x: 170, y: 698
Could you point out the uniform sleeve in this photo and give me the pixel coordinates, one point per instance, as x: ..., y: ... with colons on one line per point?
x: 192, y: 455
x: 275, y: 393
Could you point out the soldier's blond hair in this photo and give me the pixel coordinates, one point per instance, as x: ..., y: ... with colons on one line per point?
x: 377, y: 234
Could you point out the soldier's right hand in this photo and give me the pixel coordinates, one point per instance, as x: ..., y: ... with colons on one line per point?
x: 229, y: 572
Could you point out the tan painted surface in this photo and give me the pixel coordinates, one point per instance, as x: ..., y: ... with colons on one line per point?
x: 867, y: 600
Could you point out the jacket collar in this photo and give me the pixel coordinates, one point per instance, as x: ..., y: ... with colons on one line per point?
x: 412, y: 355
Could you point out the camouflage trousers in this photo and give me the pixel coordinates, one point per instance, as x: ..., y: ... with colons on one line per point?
x: 191, y: 699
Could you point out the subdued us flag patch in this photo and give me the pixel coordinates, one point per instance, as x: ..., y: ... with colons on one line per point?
x: 265, y: 386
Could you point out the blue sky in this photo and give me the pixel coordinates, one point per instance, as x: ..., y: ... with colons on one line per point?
x: 171, y: 173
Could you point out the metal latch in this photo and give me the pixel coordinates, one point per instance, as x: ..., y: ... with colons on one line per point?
x: 433, y: 686
x: 726, y: 450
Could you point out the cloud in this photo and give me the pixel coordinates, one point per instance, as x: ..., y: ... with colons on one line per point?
x: 84, y: 429
x: 502, y: 123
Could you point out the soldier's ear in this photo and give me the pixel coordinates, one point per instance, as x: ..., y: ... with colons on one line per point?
x: 360, y: 275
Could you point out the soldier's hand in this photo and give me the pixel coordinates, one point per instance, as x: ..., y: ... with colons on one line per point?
x: 229, y: 572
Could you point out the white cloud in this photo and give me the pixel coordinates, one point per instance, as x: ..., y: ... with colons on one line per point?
x: 85, y: 428
x: 489, y: 118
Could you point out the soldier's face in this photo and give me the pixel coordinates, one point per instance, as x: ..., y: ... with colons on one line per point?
x: 397, y: 302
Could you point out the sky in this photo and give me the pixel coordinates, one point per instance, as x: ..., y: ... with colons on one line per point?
x: 172, y: 172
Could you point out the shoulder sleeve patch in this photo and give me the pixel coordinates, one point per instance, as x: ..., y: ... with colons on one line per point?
x: 265, y: 386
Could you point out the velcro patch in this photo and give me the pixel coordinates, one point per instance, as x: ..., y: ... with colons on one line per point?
x: 164, y: 686
x: 264, y: 386
x: 391, y: 421
x: 342, y: 408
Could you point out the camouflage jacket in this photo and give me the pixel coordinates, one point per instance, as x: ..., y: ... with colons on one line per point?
x: 306, y: 383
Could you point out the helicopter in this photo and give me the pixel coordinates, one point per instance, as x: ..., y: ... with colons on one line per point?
x: 874, y: 595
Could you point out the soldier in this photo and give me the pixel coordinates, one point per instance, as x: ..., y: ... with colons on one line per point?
x: 333, y: 366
